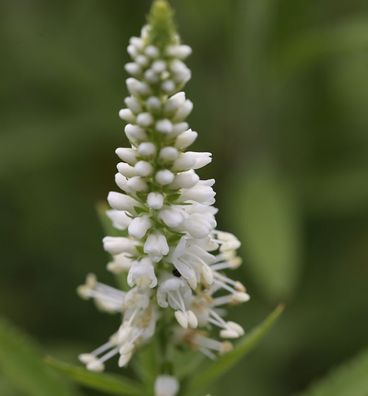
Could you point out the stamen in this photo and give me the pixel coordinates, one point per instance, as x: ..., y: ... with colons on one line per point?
x: 102, y: 348
x: 109, y: 355
x: 225, y: 286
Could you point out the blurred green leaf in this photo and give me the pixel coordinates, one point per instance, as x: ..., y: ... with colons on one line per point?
x: 337, y: 193
x: 268, y: 220
x: 145, y: 365
x: 223, y: 364
x: 315, y: 45
x: 110, y: 384
x: 350, y: 379
x: 187, y: 363
x: 6, y: 388
x: 21, y: 364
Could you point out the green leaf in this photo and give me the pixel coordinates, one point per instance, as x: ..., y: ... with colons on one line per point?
x: 350, y: 379
x: 268, y: 222
x: 223, y: 364
x: 22, y: 366
x: 110, y: 384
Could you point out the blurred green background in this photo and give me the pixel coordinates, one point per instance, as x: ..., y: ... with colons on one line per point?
x: 280, y: 89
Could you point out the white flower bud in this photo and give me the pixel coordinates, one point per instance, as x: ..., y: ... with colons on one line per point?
x: 139, y: 226
x: 152, y: 52
x: 192, y: 160
x: 156, y: 245
x: 134, y: 132
x: 121, y: 201
x: 174, y: 103
x: 155, y: 200
x: 151, y: 76
x: 180, y: 127
x: 173, y: 217
x: 184, y: 162
x: 168, y: 86
x: 122, y: 182
x: 145, y: 32
x: 179, y: 51
x: 127, y: 115
x: 202, y: 159
x: 126, y: 170
x: 132, y: 51
x: 147, y: 149
x: 153, y: 104
x: 120, y: 220
x: 141, y: 60
x: 120, y: 263
x: 180, y: 71
x: 143, y: 168
x: 158, y: 66
x: 186, y: 179
x: 144, y: 119
x: 127, y: 155
x: 200, y: 193
x: 133, y: 69
x: 185, y: 139
x: 184, y: 110
x: 137, y: 87
x: 137, y: 42
x: 168, y: 154
x: 164, y: 177
x: 133, y: 104
x: 164, y: 126
x: 117, y: 245
x: 137, y: 184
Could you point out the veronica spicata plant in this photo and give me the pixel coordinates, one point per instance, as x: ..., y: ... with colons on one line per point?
x: 168, y: 250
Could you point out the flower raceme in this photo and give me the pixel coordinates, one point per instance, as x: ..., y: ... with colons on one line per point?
x: 169, y: 250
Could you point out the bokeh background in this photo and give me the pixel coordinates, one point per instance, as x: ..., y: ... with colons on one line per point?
x: 280, y: 89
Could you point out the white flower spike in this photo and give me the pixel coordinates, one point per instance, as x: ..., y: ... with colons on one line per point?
x: 166, y: 244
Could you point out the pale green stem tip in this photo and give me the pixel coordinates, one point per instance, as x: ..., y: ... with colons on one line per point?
x: 161, y: 19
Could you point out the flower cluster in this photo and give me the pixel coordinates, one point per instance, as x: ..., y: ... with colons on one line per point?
x: 169, y: 249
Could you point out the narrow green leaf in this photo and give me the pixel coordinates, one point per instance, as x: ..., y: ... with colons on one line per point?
x: 22, y: 366
x: 350, y: 379
x: 110, y: 384
x: 268, y: 221
x: 213, y: 372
